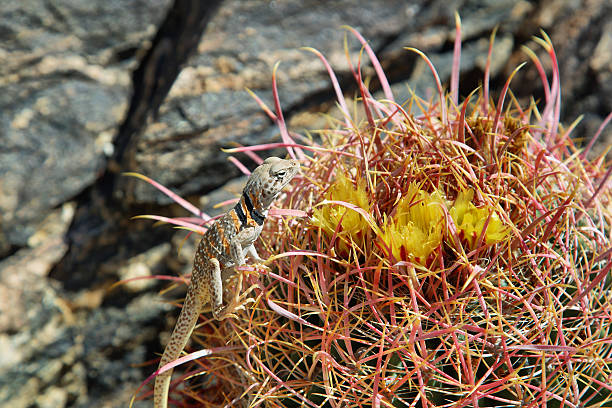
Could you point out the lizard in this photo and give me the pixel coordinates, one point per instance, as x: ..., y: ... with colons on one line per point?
x: 224, y: 247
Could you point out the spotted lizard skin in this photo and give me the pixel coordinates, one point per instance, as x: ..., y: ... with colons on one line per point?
x: 223, y: 247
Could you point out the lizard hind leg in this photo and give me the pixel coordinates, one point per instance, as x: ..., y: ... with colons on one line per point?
x: 225, y: 311
x: 196, y: 297
x: 238, y: 299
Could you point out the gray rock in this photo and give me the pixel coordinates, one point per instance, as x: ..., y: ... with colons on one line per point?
x: 581, y: 34
x: 53, y: 137
x: 208, y: 108
x: 90, y: 362
x: 63, y: 89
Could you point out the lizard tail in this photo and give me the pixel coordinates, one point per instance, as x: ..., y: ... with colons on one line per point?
x: 181, y: 333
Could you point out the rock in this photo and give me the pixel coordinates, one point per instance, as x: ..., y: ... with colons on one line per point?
x: 63, y: 89
x: 55, y: 129
x: 580, y: 33
x: 95, y: 361
x: 208, y: 108
x: 143, y: 266
x: 23, y: 276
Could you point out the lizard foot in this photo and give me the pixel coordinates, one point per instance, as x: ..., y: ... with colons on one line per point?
x: 262, y: 265
x: 241, y: 305
x: 224, y: 312
x: 237, y: 303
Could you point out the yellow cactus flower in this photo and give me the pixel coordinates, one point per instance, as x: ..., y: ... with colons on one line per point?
x: 470, y: 221
x: 415, y: 230
x: 353, y: 226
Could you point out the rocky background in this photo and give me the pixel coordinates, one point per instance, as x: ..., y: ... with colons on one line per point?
x: 92, y: 88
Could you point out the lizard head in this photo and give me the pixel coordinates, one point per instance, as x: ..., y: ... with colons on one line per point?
x: 269, y: 178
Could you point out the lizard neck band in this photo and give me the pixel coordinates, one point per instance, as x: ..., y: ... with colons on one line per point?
x: 240, y: 214
x: 256, y: 215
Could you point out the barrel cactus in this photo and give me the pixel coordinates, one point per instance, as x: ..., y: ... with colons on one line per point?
x: 456, y: 256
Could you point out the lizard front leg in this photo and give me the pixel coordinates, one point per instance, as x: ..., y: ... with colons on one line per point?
x: 254, y: 255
